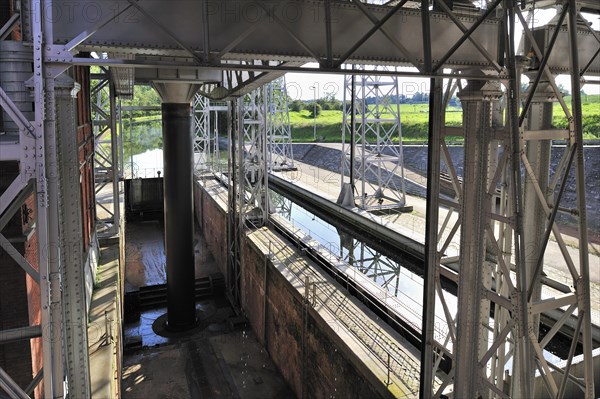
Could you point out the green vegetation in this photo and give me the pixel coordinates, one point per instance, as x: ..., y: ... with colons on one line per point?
x: 414, y: 119
x: 591, y: 115
x: 145, y: 132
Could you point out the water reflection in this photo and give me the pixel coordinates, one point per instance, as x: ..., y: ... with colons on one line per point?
x: 400, y: 282
x: 379, y: 268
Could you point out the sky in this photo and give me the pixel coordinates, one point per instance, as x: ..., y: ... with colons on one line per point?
x: 302, y: 86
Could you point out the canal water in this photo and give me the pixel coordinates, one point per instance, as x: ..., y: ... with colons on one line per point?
x: 381, y: 268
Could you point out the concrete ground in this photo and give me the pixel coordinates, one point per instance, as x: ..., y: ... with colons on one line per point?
x: 145, y: 255
x: 217, y: 361
x: 220, y: 359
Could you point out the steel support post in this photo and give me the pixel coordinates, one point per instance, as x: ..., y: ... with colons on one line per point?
x: 537, y: 153
x: 48, y: 229
x: 378, y: 165
x: 106, y: 152
x: 71, y: 242
x: 583, y: 284
x: 252, y: 152
x: 201, y: 133
x: 179, y: 221
x: 476, y: 99
x: 47, y: 207
x: 233, y: 230
x: 432, y: 258
x: 178, y: 183
x: 115, y: 144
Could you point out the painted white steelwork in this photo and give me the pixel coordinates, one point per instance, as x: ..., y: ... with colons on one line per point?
x: 207, y: 151
x: 279, y: 134
x: 372, y: 140
x: 107, y: 148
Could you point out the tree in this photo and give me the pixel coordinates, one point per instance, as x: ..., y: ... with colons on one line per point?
x: 296, y: 106
x: 315, y: 108
x: 564, y: 90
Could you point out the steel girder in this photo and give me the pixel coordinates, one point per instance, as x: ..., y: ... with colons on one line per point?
x: 288, y: 31
x: 49, y: 150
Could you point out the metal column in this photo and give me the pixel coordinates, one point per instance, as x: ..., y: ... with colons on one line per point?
x: 248, y: 178
x: 71, y: 244
x: 179, y: 221
x: 178, y: 149
x: 477, y: 100
x: 106, y: 153
x: 432, y: 256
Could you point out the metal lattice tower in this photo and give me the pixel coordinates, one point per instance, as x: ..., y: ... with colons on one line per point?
x: 248, y: 177
x: 252, y: 150
x: 202, y: 133
x: 372, y: 141
x: 107, y: 170
x: 279, y: 134
x: 206, y: 134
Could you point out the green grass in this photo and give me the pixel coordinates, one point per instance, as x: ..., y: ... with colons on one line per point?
x: 414, y: 119
x: 590, y: 109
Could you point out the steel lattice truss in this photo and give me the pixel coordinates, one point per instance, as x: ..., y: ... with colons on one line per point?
x: 253, y: 155
x: 501, y: 247
x: 372, y: 141
x: 279, y: 134
x: 248, y: 176
x: 206, y: 134
x: 202, y: 133
x: 107, y: 146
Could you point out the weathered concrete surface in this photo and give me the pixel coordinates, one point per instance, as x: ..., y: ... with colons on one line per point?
x: 322, y: 343
x: 104, y: 328
x: 145, y: 249
x: 212, y: 363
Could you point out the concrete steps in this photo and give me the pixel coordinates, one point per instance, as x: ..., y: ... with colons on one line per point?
x: 155, y: 296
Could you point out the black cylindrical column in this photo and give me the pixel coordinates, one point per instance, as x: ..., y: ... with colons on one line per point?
x: 179, y: 222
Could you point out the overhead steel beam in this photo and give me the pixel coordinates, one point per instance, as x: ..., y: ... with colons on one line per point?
x: 265, y: 35
x: 368, y: 35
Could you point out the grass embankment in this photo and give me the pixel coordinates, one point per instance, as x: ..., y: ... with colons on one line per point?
x: 414, y: 120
